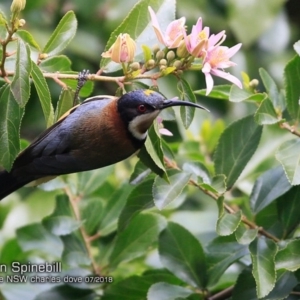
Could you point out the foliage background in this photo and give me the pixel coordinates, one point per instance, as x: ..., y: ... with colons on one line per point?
x: 268, y: 31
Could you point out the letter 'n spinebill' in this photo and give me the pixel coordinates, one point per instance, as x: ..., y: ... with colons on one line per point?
x: 101, y: 131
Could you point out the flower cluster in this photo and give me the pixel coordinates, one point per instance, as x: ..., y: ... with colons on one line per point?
x: 183, y: 51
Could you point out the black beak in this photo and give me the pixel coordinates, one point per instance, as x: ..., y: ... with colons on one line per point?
x: 168, y: 103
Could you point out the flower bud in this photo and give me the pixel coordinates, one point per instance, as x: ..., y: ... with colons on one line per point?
x: 17, y: 6
x: 150, y: 63
x: 182, y: 51
x: 177, y: 64
x: 160, y: 54
x: 163, y: 62
x: 43, y: 56
x: 170, y: 55
x: 123, y: 50
x: 135, y: 66
x: 155, y: 48
x: 253, y: 83
x: 22, y: 22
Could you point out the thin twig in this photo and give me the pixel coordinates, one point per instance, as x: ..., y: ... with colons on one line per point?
x: 222, y: 295
x: 290, y: 128
x: 87, y: 241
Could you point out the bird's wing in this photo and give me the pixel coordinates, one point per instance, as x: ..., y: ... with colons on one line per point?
x: 51, y: 152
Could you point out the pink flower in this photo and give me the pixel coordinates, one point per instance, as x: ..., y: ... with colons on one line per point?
x: 218, y: 58
x: 174, y: 32
x: 123, y: 50
x: 199, y: 41
x: 161, y: 129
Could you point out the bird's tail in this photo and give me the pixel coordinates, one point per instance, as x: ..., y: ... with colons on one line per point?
x: 8, y: 184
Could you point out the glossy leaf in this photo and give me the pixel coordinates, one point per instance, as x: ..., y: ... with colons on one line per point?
x: 263, y: 253
x: 182, y: 254
x: 296, y: 47
x: 113, y: 210
x: 268, y: 187
x: 20, y: 85
x: 236, y: 146
x: 137, y: 25
x: 166, y: 291
x: 43, y: 93
x: 292, y: 87
x: 266, y: 114
x: 228, y: 223
x: 288, y: 155
x: 65, y: 103
x: 244, y: 235
x: 62, y: 35
x: 140, y: 172
x: 57, y: 63
x: 221, y: 253
x: 272, y: 90
x: 197, y: 169
x: 239, y: 95
x: 27, y: 38
x: 139, y: 235
x: 138, y: 200
x: 151, y: 153
x: 288, y: 257
x: 218, y: 92
x: 217, y: 185
x: 35, y: 237
x: 186, y: 93
x: 91, y: 212
x: 61, y: 225
x: 287, y: 206
x: 10, y: 121
x: 136, y: 287
x: 165, y: 192
x: 245, y: 287
x: 66, y: 292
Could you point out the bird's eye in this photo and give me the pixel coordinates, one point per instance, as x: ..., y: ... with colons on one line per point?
x: 141, y: 108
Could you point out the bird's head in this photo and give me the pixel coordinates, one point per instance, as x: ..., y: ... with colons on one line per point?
x: 139, y: 108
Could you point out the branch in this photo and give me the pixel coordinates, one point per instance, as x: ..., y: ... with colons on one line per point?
x: 290, y: 128
x: 225, y: 294
x: 74, y: 200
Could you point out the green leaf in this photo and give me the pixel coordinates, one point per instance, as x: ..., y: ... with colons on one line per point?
x: 137, y: 25
x: 228, y: 223
x: 147, y: 53
x: 61, y: 225
x: 62, y: 35
x: 288, y: 155
x: 242, y: 17
x: 186, y: 93
x: 136, y: 287
x: 222, y: 252
x: 287, y: 206
x: 267, y: 188
x: 90, y: 181
x: 292, y: 87
x: 239, y: 95
x: 272, y: 90
x: 217, y: 185
x: 67, y: 292
x: 288, y: 258
x: 85, y: 91
x: 182, y: 254
x: 263, y: 253
x: 139, y: 173
x: 65, y: 103
x: 138, y: 200
x: 165, y: 192
x: 197, y: 169
x: 139, y: 235
x: 245, y: 286
x: 166, y: 291
x: 244, y: 235
x: 218, y: 92
x: 20, y: 85
x: 35, y: 237
x: 266, y: 114
x: 27, y: 38
x: 91, y: 212
x: 151, y: 153
x: 59, y: 63
x: 10, y: 121
x: 236, y: 146
x: 43, y: 93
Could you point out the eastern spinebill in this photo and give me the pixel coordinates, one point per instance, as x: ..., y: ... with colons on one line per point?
x: 101, y: 131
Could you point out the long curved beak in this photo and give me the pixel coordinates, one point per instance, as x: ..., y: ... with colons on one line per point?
x: 168, y: 103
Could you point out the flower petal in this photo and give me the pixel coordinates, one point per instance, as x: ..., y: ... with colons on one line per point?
x: 227, y: 76
x: 156, y: 27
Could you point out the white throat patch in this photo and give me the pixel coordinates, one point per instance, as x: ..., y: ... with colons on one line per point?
x: 139, y: 125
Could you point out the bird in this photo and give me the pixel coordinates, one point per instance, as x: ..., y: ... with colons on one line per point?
x: 100, y: 131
